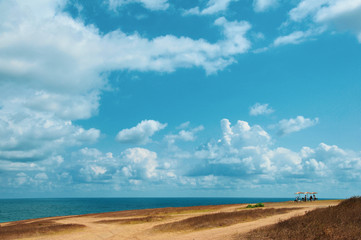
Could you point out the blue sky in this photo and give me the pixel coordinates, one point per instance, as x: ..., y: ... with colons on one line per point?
x: 161, y: 98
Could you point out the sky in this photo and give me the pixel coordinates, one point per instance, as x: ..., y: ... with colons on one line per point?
x: 180, y: 98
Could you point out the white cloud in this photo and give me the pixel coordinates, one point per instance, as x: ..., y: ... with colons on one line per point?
x: 184, y: 125
x: 306, y: 8
x: 65, y: 43
x: 19, y: 166
x: 98, y: 170
x: 184, y: 135
x: 264, y: 5
x: 260, y: 109
x: 244, y: 155
x: 287, y: 126
x: 64, y: 106
x: 234, y: 32
x: 41, y: 176
x: 343, y: 14
x: 298, y: 37
x: 141, y: 133
x: 149, y: 4
x: 141, y: 163
x: 293, y: 38
x: 213, y: 7
x: 259, y: 163
x: 30, y: 136
x: 243, y: 134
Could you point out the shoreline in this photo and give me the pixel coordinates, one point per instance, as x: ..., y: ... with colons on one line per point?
x: 160, y: 223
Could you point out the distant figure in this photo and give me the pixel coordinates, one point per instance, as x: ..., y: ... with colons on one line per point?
x: 314, y: 197
x: 305, y: 198
x: 310, y: 198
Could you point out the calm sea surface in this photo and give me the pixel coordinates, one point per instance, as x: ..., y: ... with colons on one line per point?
x: 20, y: 209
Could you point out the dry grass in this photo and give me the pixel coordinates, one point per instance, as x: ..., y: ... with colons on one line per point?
x: 338, y: 222
x: 222, y: 219
x: 31, y: 228
x: 133, y: 220
x: 159, y: 211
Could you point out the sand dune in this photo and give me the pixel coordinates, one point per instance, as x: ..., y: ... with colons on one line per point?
x: 204, y: 222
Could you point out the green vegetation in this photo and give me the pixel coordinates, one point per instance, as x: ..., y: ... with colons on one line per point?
x: 255, y: 205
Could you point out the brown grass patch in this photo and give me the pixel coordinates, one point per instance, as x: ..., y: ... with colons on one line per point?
x: 31, y: 228
x: 159, y: 211
x: 133, y: 220
x: 338, y: 222
x: 221, y: 219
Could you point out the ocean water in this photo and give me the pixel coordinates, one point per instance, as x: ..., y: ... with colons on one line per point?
x: 20, y: 209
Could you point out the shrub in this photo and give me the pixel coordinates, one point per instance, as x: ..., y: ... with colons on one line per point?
x: 255, y: 206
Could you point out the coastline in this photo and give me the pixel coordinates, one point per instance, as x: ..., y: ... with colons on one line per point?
x: 199, y: 222
x: 30, y: 208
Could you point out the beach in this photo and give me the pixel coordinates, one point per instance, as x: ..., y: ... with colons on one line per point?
x: 202, y: 222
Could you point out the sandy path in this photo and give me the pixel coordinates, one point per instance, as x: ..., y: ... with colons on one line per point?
x: 140, y: 231
x: 227, y: 232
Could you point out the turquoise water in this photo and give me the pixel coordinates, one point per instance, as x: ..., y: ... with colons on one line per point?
x: 20, y: 209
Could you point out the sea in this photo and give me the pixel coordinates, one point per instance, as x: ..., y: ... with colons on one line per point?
x: 21, y: 209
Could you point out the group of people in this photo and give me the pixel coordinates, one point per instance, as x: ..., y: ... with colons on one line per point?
x: 304, y: 199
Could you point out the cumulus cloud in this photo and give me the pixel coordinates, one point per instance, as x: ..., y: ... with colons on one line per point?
x: 234, y: 32
x: 89, y: 165
x: 149, y: 4
x: 287, y: 126
x: 184, y: 135
x: 212, y: 7
x: 264, y: 5
x: 258, y: 162
x: 244, y: 154
x: 29, y: 136
x: 141, y: 163
x: 243, y: 134
x: 132, y: 166
x: 343, y: 14
x: 141, y: 133
x: 260, y: 109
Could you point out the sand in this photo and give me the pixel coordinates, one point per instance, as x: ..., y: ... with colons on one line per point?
x: 139, y: 224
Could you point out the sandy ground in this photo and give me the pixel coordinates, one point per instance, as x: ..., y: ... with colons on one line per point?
x: 112, y: 226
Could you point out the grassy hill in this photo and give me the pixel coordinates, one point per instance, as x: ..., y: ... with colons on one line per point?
x: 338, y: 222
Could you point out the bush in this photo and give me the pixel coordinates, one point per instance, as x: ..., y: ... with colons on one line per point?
x: 255, y: 206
